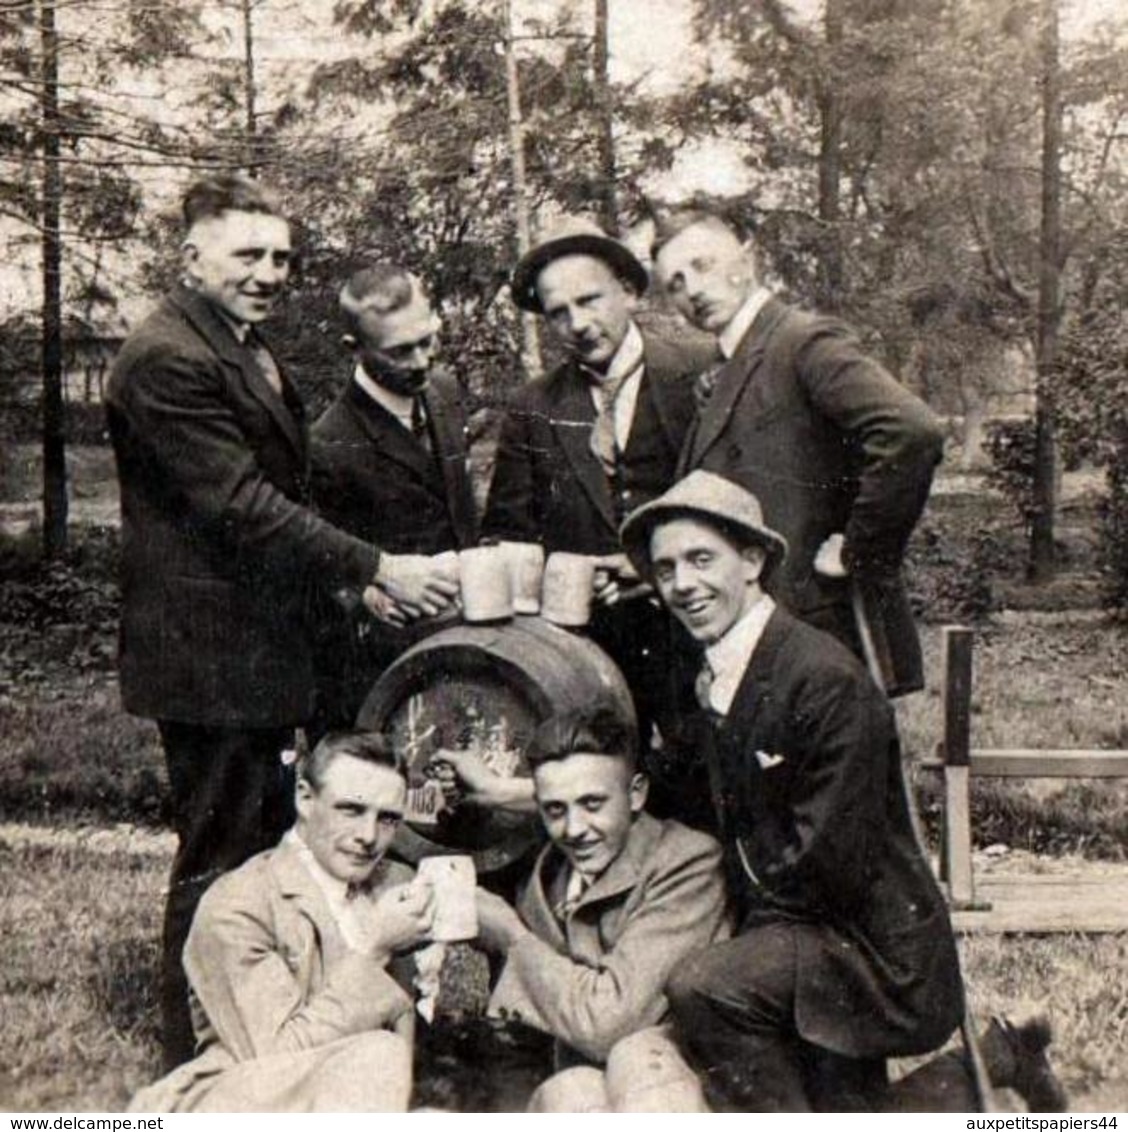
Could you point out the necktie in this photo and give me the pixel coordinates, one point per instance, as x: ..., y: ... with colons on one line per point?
x: 604, y: 445
x: 419, y: 423
x: 573, y: 893
x: 703, y: 687
x: 267, y: 366
x: 706, y: 380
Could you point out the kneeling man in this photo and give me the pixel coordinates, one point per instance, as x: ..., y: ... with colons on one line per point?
x: 617, y: 902
x: 844, y: 955
x: 293, y: 1008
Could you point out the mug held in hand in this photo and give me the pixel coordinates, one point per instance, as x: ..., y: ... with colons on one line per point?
x: 453, y: 880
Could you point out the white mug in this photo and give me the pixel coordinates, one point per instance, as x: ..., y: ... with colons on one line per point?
x: 568, y: 583
x: 526, y: 574
x: 486, y: 589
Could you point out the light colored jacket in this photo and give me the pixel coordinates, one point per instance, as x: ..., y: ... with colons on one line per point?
x: 272, y: 975
x: 601, y: 974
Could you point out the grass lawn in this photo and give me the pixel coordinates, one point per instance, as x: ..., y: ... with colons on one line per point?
x: 79, y: 922
x: 81, y: 882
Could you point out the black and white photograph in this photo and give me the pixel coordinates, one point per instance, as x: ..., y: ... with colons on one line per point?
x: 564, y: 556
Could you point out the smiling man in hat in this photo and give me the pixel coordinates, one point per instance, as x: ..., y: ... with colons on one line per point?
x: 844, y: 955
x: 597, y: 437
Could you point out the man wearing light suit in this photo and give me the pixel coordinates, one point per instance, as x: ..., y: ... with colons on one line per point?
x: 221, y: 552
x: 389, y: 466
x: 296, y: 1010
x: 840, y: 455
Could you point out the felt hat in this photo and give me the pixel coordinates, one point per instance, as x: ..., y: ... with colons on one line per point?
x: 707, y: 496
x: 574, y: 237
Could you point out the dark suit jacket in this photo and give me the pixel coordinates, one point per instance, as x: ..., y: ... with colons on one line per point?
x: 806, y: 778
x: 220, y: 551
x: 828, y: 441
x: 373, y: 479
x: 547, y: 485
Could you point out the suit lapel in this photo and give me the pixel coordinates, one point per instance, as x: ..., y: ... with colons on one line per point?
x: 755, y: 689
x: 572, y: 417
x: 732, y: 379
x: 450, y: 452
x: 206, y: 321
x: 389, y: 437
x: 659, y: 366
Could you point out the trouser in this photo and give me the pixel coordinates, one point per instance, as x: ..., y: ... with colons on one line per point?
x: 734, y: 1007
x: 231, y: 798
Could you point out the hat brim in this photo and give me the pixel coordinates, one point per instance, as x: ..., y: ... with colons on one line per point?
x: 618, y: 257
x: 640, y: 526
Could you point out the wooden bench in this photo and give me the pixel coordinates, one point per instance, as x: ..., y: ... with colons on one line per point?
x: 1006, y: 903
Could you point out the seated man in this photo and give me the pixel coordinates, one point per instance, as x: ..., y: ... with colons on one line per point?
x: 293, y: 1008
x: 844, y: 955
x: 617, y: 902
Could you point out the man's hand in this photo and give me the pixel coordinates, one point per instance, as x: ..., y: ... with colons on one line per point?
x: 499, y: 926
x: 398, y: 919
x: 828, y: 558
x: 616, y: 579
x: 381, y: 606
x: 419, y: 585
x: 463, y: 776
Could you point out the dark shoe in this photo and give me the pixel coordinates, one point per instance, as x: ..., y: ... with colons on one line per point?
x: 1029, y: 1073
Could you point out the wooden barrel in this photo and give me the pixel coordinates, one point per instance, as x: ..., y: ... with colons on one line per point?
x: 484, y: 687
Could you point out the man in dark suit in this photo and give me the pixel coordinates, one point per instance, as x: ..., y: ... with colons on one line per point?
x: 221, y: 552
x: 597, y: 437
x: 840, y: 454
x: 844, y: 954
x: 389, y: 466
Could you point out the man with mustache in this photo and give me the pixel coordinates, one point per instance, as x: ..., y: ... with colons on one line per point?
x: 287, y: 955
x: 840, y: 455
x: 595, y: 438
x: 390, y: 467
x: 221, y: 552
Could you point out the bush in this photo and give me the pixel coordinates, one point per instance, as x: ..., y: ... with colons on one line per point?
x: 1009, y: 446
x: 1090, y: 405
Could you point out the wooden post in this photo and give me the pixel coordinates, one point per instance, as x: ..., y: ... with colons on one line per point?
x: 957, y: 765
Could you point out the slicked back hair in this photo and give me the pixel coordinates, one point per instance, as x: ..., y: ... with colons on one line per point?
x: 368, y: 746
x: 601, y: 732
x: 673, y: 224
x: 228, y: 192
x: 382, y: 288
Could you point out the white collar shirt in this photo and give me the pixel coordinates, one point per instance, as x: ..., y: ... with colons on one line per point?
x: 336, y: 892
x: 729, y: 339
x: 728, y: 658
x: 628, y: 358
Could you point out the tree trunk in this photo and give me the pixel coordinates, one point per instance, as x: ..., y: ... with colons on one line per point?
x: 1041, y: 563
x: 608, y: 205
x: 530, y: 337
x: 830, y: 164
x: 54, y: 437
x: 250, y: 153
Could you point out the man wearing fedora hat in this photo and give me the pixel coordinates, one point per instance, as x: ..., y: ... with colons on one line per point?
x: 845, y: 955
x: 596, y: 438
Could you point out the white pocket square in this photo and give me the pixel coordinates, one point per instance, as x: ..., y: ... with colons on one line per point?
x: 767, y: 761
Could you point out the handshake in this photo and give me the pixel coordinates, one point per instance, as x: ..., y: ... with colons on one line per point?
x: 410, y: 586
